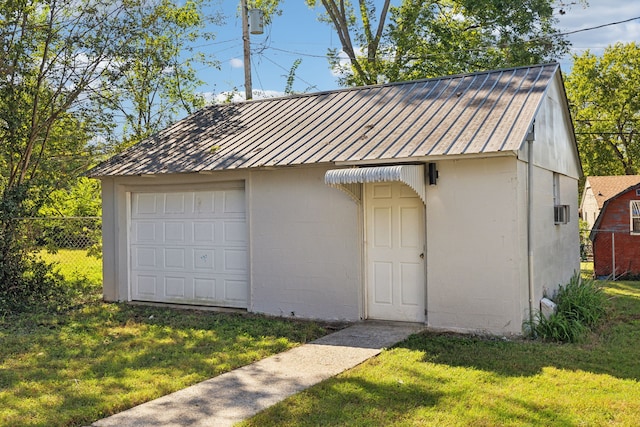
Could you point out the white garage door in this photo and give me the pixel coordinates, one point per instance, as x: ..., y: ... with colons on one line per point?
x: 189, y: 247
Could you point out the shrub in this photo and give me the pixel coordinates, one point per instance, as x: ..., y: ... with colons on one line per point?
x: 26, y: 283
x: 580, y: 305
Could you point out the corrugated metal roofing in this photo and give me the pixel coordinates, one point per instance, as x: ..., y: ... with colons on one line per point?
x: 485, y: 112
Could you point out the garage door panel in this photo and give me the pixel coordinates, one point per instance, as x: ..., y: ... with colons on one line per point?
x: 189, y: 248
x: 235, y: 232
x: 233, y: 202
x: 205, y: 289
x: 174, y: 231
x: 235, y: 260
x: 174, y: 258
x: 146, y: 284
x: 175, y: 203
x: 145, y: 231
x: 235, y: 290
x: 204, y: 259
x: 175, y: 287
x: 204, y: 203
x: 204, y: 232
x: 145, y: 257
x: 146, y: 204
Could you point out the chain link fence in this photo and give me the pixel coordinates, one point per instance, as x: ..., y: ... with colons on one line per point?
x: 72, y: 244
x: 616, y: 254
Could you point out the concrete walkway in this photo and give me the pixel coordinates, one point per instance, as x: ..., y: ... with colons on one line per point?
x: 242, y: 393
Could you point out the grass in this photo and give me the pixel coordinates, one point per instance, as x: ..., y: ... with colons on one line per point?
x: 451, y: 380
x: 75, y: 264
x: 73, y: 368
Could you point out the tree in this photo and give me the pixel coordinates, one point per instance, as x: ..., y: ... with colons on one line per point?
x: 604, y: 97
x: 51, y: 53
x: 367, y: 33
x: 155, y: 79
x: 269, y: 8
x: 428, y: 38
x: 54, y: 54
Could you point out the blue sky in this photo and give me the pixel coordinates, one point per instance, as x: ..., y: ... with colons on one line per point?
x: 297, y: 34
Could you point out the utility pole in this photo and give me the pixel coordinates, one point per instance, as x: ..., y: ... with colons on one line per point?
x: 248, y: 90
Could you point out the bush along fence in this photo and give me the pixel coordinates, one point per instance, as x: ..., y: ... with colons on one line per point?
x: 616, y: 254
x: 74, y: 244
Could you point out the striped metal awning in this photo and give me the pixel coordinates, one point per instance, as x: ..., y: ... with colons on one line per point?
x: 349, y: 179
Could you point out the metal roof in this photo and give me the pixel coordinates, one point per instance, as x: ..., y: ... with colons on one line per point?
x: 486, y: 112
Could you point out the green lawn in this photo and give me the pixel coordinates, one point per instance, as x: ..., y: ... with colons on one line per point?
x: 75, y: 264
x: 74, y: 368
x: 450, y: 380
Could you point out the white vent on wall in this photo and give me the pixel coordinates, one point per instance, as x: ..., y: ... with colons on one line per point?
x: 561, y: 214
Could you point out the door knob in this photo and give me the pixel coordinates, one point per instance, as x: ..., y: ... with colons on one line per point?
x: 422, y: 255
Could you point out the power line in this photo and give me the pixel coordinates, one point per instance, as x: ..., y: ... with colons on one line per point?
x: 296, y: 53
x: 283, y: 68
x: 599, y: 26
x: 596, y: 27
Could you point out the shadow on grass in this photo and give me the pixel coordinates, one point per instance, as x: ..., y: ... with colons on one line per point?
x: 102, y: 358
x: 371, y: 396
x: 611, y: 350
x: 367, y: 402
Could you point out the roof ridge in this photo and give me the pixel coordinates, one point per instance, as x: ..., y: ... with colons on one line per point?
x: 382, y: 85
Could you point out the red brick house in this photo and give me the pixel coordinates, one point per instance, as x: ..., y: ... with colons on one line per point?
x: 616, y: 235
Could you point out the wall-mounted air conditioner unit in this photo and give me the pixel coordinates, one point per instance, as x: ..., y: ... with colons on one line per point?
x: 561, y: 214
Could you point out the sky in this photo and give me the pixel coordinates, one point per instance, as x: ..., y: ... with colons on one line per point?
x: 297, y: 34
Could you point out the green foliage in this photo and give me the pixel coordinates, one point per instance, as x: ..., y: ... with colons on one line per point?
x: 155, y: 79
x: 558, y: 328
x: 582, y: 300
x: 68, y: 72
x: 270, y: 8
x: 432, y: 38
x: 81, y: 200
x: 71, y: 219
x: 26, y: 283
x: 291, y: 77
x: 604, y: 99
x: 580, y: 306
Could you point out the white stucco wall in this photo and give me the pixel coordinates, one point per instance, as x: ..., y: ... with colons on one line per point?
x: 304, y: 239
x: 556, y: 247
x: 306, y: 246
x: 477, y: 253
x: 475, y: 242
x: 555, y: 148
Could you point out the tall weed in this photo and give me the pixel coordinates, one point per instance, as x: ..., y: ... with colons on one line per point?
x: 580, y: 306
x: 581, y: 300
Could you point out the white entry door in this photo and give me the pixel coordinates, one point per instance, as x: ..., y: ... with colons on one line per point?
x: 189, y: 247
x: 395, y: 252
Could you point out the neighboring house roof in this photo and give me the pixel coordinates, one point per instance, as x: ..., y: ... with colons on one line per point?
x: 603, y: 209
x: 480, y: 113
x: 606, y: 187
